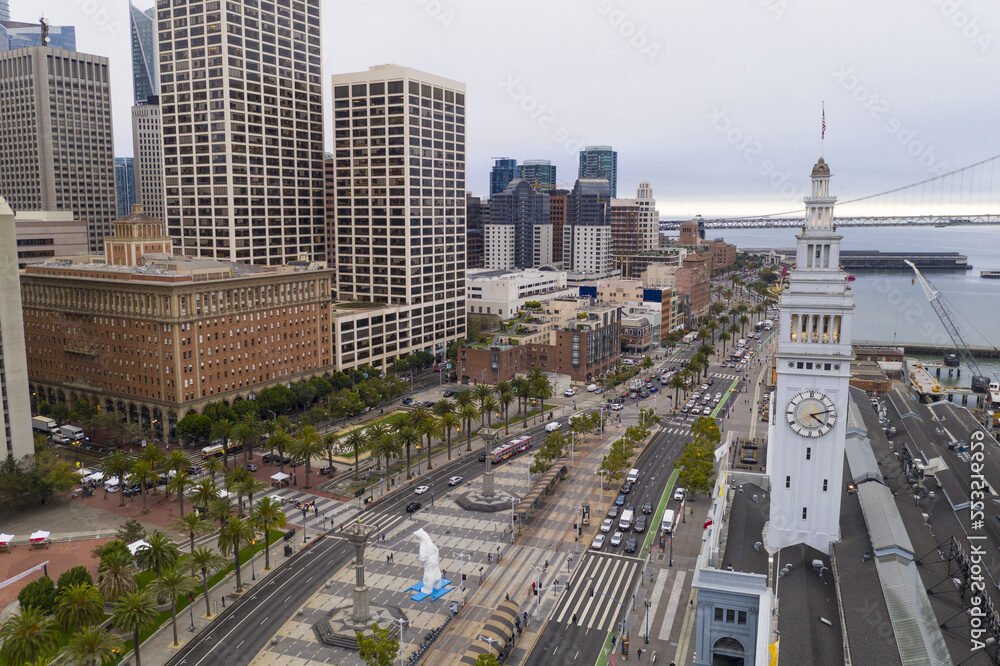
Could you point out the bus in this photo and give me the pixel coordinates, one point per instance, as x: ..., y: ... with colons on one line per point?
x: 522, y: 444
x: 216, y: 451
x: 511, y: 449
x: 758, y: 327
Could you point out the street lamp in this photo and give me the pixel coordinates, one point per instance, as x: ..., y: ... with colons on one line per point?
x: 513, y: 503
x: 647, y: 604
x: 191, y: 610
x: 305, y: 519
x: 253, y: 570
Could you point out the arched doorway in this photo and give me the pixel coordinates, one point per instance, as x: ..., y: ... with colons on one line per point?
x: 728, y: 651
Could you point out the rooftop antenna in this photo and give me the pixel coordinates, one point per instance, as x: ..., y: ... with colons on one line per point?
x: 44, y: 22
x: 822, y: 128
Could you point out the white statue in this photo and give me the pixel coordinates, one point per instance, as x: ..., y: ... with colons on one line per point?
x: 428, y: 556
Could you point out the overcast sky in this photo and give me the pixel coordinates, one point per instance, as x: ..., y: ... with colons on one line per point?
x: 716, y: 104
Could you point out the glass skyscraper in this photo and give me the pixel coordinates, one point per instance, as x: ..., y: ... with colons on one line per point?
x: 143, y: 28
x: 4, y: 10
x: 124, y: 186
x: 540, y: 174
x: 600, y: 162
x: 18, y: 35
x: 504, y: 170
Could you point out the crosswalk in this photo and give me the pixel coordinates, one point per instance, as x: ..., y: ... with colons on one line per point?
x: 722, y: 375
x: 332, y: 510
x: 601, y: 590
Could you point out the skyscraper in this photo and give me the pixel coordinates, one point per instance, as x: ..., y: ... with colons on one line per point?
x: 4, y: 10
x: 519, y: 234
x: 18, y: 35
x: 504, y: 170
x: 142, y: 26
x: 477, y: 215
x: 242, y: 117
x: 558, y: 211
x: 587, y: 234
x: 147, y: 145
x: 55, y: 127
x: 635, y: 225
x: 124, y: 185
x: 399, y: 139
x: 540, y: 174
x: 600, y: 162
x: 15, y: 404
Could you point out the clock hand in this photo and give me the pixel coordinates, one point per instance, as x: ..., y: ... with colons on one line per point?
x: 815, y: 416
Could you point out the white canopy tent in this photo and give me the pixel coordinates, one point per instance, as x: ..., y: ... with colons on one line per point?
x: 280, y: 476
x: 40, y: 535
x: 136, y: 546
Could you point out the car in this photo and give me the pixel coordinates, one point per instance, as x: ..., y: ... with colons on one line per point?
x: 640, y: 524
x: 631, y: 545
x: 251, y: 467
x: 420, y: 490
x: 617, y: 406
x: 621, y: 500
x: 454, y: 481
x: 647, y: 508
x: 407, y: 401
x: 613, y: 511
x: 626, y: 488
x: 569, y: 393
x: 482, y: 457
x: 413, y: 507
x: 704, y: 387
x: 653, y: 389
x: 270, y: 457
x: 448, y: 394
x: 552, y: 427
x: 679, y: 494
x: 327, y: 470
x: 194, y: 469
x: 598, y: 542
x: 706, y: 411
x: 285, y: 460
x: 592, y: 388
x: 293, y: 462
x: 607, y: 525
x: 429, y: 403
x: 616, y: 539
x: 685, y: 409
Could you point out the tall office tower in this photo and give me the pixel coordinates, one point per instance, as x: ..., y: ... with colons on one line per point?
x: 635, y: 225
x: 399, y: 137
x: 807, y: 431
x: 18, y: 35
x: 55, y: 128
x: 477, y: 215
x: 519, y: 234
x: 15, y: 406
x: 504, y: 170
x: 540, y: 174
x: 600, y: 162
x: 147, y: 144
x: 241, y: 108
x: 587, y: 234
x: 124, y: 186
x: 4, y: 10
x: 144, y: 73
x: 330, y: 200
x: 558, y: 210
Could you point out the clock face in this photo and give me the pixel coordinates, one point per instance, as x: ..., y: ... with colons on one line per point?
x: 811, y: 414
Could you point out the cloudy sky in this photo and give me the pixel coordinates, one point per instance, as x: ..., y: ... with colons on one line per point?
x: 716, y: 104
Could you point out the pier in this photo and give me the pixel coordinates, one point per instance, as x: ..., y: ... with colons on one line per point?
x: 930, y: 349
x: 876, y: 260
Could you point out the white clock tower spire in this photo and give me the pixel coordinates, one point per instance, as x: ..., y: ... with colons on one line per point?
x: 805, y: 456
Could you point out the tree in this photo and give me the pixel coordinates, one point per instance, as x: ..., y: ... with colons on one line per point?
x: 171, y: 583
x: 129, y: 531
x: 505, y: 396
x: 541, y: 387
x: 487, y: 408
x: 115, y: 573
x: 522, y: 389
x: 142, y: 474
x: 481, y: 392
x: 356, y: 442
x: 220, y: 432
x: 78, y: 605
x: 250, y: 486
x: 697, y: 464
x: 205, y: 561
x: 330, y: 442
x: 204, y: 492
x: 307, y: 446
x: 706, y: 429
x: 280, y: 441
x: 467, y: 412
x: 220, y: 509
x: 194, y: 427
x: 449, y: 421
x: 73, y: 576
x: 236, y: 533
x: 379, y: 649
x: 647, y: 363
x: 247, y: 433
x: 408, y: 437
x: 40, y: 594
x: 267, y: 516
x: 677, y: 383
x: 178, y: 484
x: 118, y: 465
x: 160, y: 555
x: 133, y: 614
x: 487, y: 659
x: 193, y: 524
x: 27, y: 635
x: 91, y: 646
x: 430, y: 428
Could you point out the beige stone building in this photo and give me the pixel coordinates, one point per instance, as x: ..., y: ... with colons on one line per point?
x: 15, y: 407
x: 44, y: 235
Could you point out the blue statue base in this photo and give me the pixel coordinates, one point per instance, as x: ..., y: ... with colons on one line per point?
x: 438, y: 592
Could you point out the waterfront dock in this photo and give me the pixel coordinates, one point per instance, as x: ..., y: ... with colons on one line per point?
x: 876, y: 260
x: 929, y: 349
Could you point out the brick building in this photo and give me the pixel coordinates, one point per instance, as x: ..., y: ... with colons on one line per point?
x: 694, y: 283
x: 154, y: 336
x: 690, y: 233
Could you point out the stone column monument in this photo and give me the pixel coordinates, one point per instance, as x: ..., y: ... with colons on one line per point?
x: 489, y: 437
x: 357, y: 533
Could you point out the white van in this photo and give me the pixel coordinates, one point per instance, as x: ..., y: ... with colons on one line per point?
x: 628, y: 361
x: 667, y: 524
x: 633, y: 475
x: 625, y: 522
x: 552, y: 427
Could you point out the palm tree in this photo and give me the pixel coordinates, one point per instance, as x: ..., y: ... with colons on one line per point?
x: 442, y: 407
x: 734, y: 329
x: 250, y: 486
x: 308, y: 445
x: 428, y: 428
x: 407, y: 436
x: 449, y: 422
x: 481, y: 392
x: 505, y: 396
x: 116, y: 573
x: 522, y: 389
x: 330, y: 442
x: 154, y: 455
x: 27, y: 635
x: 134, y: 613
x: 235, y: 535
x: 92, y: 646
x: 221, y: 430
x: 744, y: 320
x: 78, y: 605
x: 356, y: 441
x: 176, y: 461
x: 247, y: 432
x: 487, y: 408
x: 677, y: 383
x: 206, y: 562
x: 267, y: 516
x: 118, y: 465
x: 464, y: 398
x: 213, y: 466
x: 194, y: 524
x: 467, y: 412
x: 143, y: 474
x: 204, y: 492
x: 233, y: 482
x: 173, y: 582
x: 161, y: 554
x: 280, y: 441
x: 220, y: 509
x: 178, y: 484
x: 541, y: 387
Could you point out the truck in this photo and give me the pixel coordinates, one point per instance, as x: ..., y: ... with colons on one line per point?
x: 625, y: 522
x: 44, y: 424
x: 71, y: 432
x: 690, y: 337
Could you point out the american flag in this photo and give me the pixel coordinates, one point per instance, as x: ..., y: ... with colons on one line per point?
x: 822, y: 127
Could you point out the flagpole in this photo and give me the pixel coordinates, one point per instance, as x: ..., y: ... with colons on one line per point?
x: 822, y: 131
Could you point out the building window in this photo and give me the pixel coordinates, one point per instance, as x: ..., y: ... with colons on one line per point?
x: 824, y: 485
x: 809, y: 453
x: 805, y: 512
x: 741, y: 617
x: 800, y: 365
x: 788, y: 482
x: 718, y: 614
x: 730, y: 616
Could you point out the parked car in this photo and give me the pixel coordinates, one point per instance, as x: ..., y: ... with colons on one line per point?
x: 631, y: 545
x: 552, y: 427
x: 598, y: 542
x: 454, y: 481
x: 607, y: 525
x: 616, y: 539
x: 413, y: 506
x: 407, y: 401
x: 613, y: 511
x: 251, y: 467
x: 592, y: 388
x: 617, y: 406
x: 569, y: 393
x: 679, y: 494
x: 420, y: 490
x: 448, y: 393
x: 626, y: 488
x: 327, y: 470
x: 194, y: 469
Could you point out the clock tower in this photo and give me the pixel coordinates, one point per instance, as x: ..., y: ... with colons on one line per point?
x: 805, y: 456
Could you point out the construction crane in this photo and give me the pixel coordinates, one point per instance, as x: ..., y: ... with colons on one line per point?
x: 980, y: 381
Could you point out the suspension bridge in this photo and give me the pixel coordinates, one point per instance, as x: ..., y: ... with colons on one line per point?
x: 968, y: 196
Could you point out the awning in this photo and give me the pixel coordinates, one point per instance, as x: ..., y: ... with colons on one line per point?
x: 280, y: 476
x: 40, y: 535
x: 6, y: 538
x: 96, y: 476
x: 113, y: 481
x: 136, y: 546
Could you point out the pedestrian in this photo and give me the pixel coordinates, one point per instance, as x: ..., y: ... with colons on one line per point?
x: 574, y: 618
x: 506, y: 596
x: 387, y: 558
x: 315, y: 510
